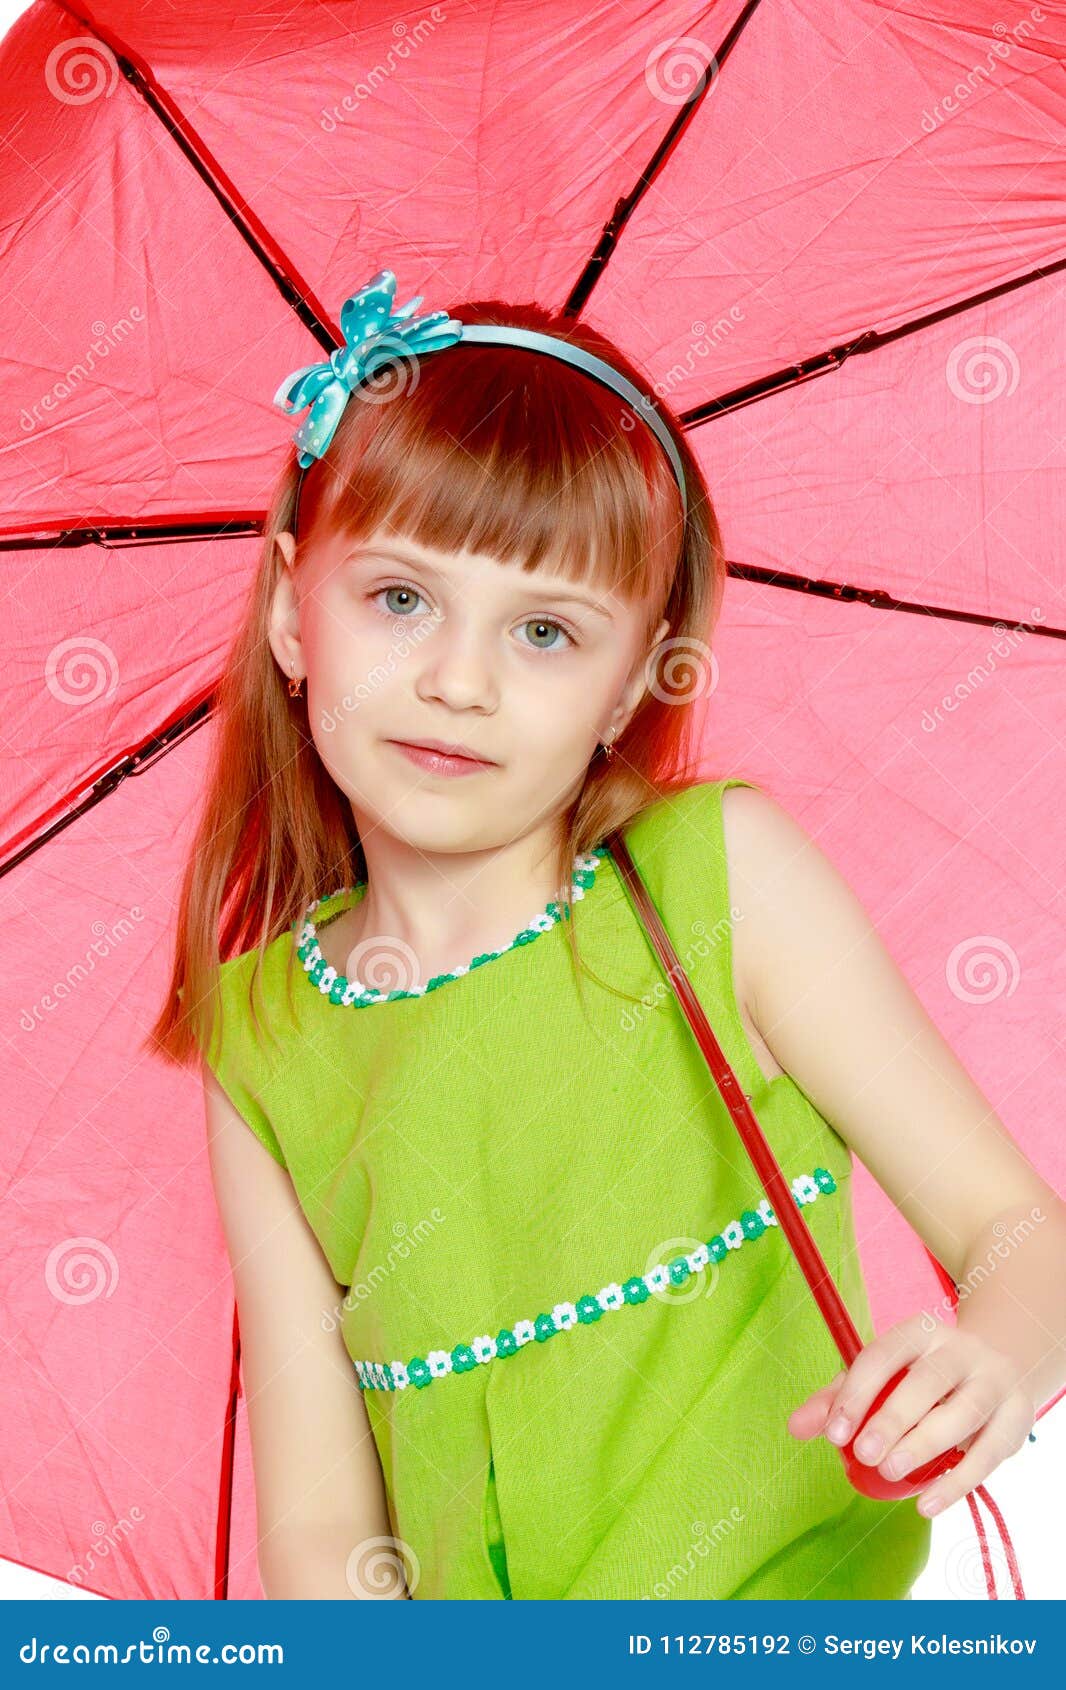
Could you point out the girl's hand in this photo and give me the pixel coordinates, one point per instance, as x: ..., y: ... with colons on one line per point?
x: 959, y: 1392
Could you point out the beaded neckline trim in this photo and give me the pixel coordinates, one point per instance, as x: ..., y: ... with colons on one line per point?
x: 352, y: 993
x: 436, y: 1364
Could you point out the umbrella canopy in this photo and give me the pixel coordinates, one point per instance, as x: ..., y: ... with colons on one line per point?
x: 834, y: 242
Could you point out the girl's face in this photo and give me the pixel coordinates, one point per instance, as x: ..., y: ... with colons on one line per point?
x: 398, y: 641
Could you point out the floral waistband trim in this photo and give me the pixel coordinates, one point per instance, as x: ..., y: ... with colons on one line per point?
x: 436, y: 1364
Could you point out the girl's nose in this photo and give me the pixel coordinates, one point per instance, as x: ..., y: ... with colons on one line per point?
x: 455, y: 670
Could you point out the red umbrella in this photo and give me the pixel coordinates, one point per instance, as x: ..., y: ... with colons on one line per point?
x: 745, y: 199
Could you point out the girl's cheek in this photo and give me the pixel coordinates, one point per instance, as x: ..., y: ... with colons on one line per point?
x: 352, y: 639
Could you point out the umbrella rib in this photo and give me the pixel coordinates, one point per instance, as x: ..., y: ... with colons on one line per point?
x: 293, y: 289
x: 625, y: 207
x: 871, y: 340
x: 251, y: 524
x: 877, y: 599
x: 141, y: 531
x: 158, y: 744
x: 67, y: 810
x: 200, y: 527
x: 300, y: 297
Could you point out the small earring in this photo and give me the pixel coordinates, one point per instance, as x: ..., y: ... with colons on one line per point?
x: 608, y: 750
x: 294, y: 684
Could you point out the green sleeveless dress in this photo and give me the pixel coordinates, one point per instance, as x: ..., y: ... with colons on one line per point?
x: 576, y: 1324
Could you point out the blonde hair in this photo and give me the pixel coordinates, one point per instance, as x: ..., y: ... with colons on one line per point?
x: 491, y: 448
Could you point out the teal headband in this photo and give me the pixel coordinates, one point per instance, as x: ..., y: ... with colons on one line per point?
x: 376, y: 336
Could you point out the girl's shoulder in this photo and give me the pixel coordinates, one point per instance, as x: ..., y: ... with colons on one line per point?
x: 731, y: 822
x: 687, y: 824
x: 705, y: 847
x: 235, y: 975
x: 247, y: 991
x: 241, y: 1041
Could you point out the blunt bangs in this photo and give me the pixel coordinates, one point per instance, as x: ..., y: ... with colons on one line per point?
x: 509, y: 453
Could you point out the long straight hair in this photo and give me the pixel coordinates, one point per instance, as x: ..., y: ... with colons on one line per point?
x: 498, y: 450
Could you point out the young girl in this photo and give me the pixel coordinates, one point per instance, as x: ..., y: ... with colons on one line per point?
x: 514, y: 1320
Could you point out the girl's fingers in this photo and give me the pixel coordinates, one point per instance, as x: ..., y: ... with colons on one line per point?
x: 808, y: 1420
x: 945, y: 1426
x: 872, y: 1369
x: 929, y: 1379
x: 1005, y: 1432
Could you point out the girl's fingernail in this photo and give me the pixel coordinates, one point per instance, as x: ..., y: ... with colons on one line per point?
x: 837, y: 1431
x: 930, y: 1504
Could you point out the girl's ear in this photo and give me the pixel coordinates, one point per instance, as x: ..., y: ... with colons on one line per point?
x: 286, y: 544
x: 284, y: 630
x: 642, y: 668
x: 637, y: 684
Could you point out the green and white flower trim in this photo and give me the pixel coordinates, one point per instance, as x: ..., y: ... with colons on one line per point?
x: 463, y: 1358
x: 352, y: 993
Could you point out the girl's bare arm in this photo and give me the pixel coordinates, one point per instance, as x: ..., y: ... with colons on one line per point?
x: 829, y: 1001
x: 324, y: 1529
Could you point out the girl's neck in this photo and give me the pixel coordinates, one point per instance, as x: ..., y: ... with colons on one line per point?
x: 435, y: 922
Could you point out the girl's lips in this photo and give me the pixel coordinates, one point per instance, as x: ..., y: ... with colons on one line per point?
x: 438, y: 763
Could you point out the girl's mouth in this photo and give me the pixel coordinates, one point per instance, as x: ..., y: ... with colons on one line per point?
x: 438, y: 762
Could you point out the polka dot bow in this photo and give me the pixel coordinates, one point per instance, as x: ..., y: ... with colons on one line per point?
x: 374, y: 336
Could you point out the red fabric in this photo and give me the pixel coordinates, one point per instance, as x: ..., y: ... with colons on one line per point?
x: 822, y: 188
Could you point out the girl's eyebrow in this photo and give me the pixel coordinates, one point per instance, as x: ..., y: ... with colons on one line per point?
x: 422, y: 563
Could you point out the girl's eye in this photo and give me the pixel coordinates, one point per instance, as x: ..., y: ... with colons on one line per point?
x: 404, y: 592
x: 540, y: 623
